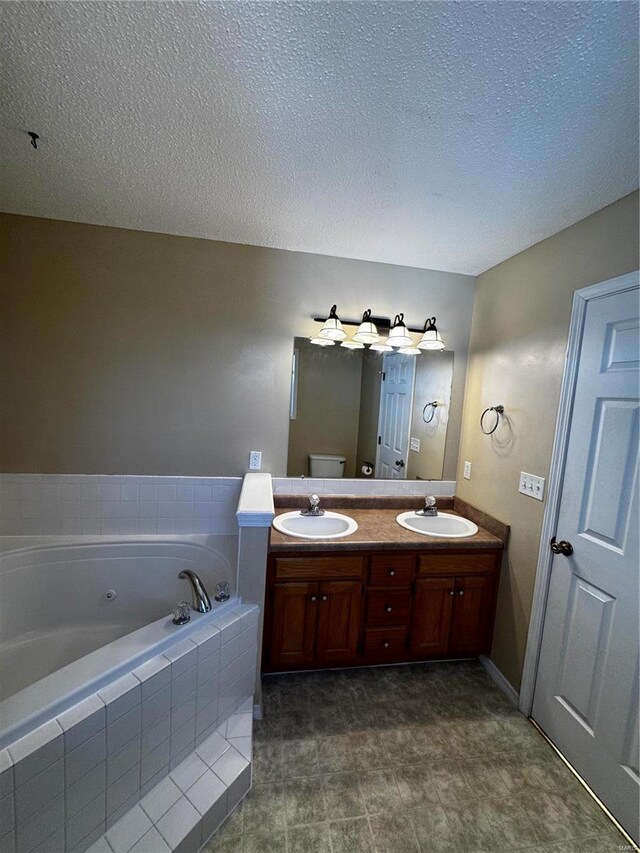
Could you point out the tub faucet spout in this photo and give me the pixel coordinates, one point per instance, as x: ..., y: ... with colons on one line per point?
x: 201, y: 601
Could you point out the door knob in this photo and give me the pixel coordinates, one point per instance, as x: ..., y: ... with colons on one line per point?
x: 400, y: 463
x: 562, y: 547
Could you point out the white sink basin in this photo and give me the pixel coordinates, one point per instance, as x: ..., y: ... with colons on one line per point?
x: 331, y: 525
x: 443, y: 524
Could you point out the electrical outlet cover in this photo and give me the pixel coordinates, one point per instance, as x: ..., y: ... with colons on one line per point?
x: 467, y: 470
x: 255, y: 460
x: 415, y: 444
x: 531, y: 486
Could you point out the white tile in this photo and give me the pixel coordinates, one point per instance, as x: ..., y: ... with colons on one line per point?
x: 148, y: 509
x: 82, y: 721
x: 53, y: 844
x: 113, y: 818
x: 212, y: 749
x: 120, y: 696
x: 243, y: 745
x: 155, y: 762
x: 181, y: 819
x: 86, y: 789
x: 181, y: 714
x: 40, y: 826
x: 128, y: 510
x: 207, y: 693
x: 128, y: 830
x: 229, y: 624
x: 7, y: 815
x: 205, y: 718
x: 154, y: 734
x: 109, y: 492
x: 182, y: 656
x: 123, y: 760
x: 180, y: 756
x: 230, y: 765
x: 126, y: 787
x: 129, y: 492
x: 85, y: 757
x: 186, y: 773
x: 91, y: 817
x: 166, y: 510
x: 185, y: 493
x: 183, y: 738
x: 101, y: 846
x: 39, y: 791
x: 156, y: 706
x: 206, y: 792
x: 240, y: 725
x: 36, y: 751
x: 159, y: 801
x: 123, y: 729
x: 153, y: 675
x: 184, y: 510
x: 166, y: 493
x: 148, y: 493
x: 237, y: 789
x: 184, y: 685
x: 6, y: 773
x: 151, y: 842
x: 207, y: 640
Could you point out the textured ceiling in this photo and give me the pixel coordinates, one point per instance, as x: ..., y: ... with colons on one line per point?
x: 441, y: 135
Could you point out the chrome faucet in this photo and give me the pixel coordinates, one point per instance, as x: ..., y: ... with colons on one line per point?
x: 429, y: 508
x: 201, y: 601
x: 313, y: 508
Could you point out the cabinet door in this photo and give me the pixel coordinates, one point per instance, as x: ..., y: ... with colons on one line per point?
x: 431, y: 618
x: 295, y: 611
x: 339, y: 612
x: 471, y: 620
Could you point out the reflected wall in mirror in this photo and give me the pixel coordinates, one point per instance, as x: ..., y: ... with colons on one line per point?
x: 380, y: 415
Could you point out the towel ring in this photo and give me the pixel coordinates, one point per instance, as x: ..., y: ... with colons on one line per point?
x: 434, y: 406
x: 499, y: 410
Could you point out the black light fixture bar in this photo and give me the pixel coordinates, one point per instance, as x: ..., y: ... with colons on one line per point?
x: 380, y: 322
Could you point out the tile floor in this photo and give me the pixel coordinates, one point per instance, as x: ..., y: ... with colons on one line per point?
x: 427, y: 758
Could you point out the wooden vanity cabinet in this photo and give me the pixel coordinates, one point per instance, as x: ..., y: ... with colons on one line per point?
x: 361, y: 608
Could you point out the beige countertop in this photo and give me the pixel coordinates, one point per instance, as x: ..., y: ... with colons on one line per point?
x: 378, y: 530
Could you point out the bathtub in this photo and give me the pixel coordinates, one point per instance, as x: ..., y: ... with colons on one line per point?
x: 104, y: 696
x: 91, y: 609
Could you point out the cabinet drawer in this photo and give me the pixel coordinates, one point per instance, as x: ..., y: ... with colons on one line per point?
x: 388, y: 607
x: 453, y: 564
x: 391, y: 571
x: 385, y: 644
x: 297, y: 568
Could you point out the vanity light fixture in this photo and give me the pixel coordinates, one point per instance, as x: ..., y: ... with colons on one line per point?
x: 410, y: 350
x: 399, y: 336
x: 322, y: 342
x: 367, y: 332
x: 354, y: 344
x: 332, y: 329
x: 430, y: 336
x: 381, y: 346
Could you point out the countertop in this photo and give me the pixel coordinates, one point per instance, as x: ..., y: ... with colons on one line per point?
x: 378, y: 530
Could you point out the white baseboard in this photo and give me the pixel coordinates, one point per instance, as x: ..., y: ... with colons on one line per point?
x: 499, y: 679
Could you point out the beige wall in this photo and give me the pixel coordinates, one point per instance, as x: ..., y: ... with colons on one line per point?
x: 130, y: 352
x: 328, y: 406
x: 520, y: 327
x: 434, y: 372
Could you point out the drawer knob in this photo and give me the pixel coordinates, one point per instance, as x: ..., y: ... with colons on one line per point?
x: 388, y: 608
x: 461, y: 592
x: 386, y: 644
x: 452, y: 592
x: 324, y: 597
x: 392, y: 573
x: 314, y: 598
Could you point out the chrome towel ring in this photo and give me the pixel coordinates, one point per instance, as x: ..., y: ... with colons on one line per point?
x: 434, y: 406
x: 499, y: 410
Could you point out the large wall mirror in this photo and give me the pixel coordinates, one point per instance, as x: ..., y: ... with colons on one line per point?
x: 368, y: 414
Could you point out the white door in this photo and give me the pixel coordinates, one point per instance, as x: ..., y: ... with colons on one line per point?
x: 394, y: 420
x: 586, y: 693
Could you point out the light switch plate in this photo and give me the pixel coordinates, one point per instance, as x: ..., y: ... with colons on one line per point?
x: 467, y: 470
x: 415, y: 444
x: 531, y: 486
x: 255, y: 460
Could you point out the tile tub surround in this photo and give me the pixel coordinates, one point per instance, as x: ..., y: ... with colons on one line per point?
x: 362, y: 486
x: 65, y: 783
x: 66, y: 504
x: 425, y: 758
x: 182, y: 811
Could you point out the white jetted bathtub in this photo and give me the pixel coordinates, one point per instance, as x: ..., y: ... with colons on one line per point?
x: 78, y: 612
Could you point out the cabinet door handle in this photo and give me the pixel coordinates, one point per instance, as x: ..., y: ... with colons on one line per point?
x: 324, y: 597
x: 391, y: 573
x: 386, y: 644
x: 314, y: 598
x: 388, y: 608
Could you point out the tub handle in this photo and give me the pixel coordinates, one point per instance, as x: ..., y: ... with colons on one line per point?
x: 182, y: 613
x: 223, y: 591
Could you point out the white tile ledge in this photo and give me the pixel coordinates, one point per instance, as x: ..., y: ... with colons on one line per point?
x: 255, y: 507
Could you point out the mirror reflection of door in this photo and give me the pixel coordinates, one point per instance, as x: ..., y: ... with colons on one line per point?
x: 396, y: 401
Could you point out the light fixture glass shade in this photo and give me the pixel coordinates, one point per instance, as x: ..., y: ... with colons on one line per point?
x: 431, y: 339
x: 398, y: 336
x: 332, y: 329
x: 322, y: 342
x: 352, y: 345
x: 382, y: 346
x: 367, y: 332
x: 409, y: 350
